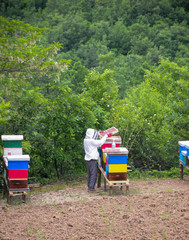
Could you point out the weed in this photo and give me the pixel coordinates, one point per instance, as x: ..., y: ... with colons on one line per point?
x: 111, y: 227
x: 164, y: 235
x: 164, y: 214
x: 33, y: 230
x: 169, y: 190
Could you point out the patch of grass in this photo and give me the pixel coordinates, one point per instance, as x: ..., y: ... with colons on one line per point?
x: 169, y: 190
x: 155, y: 174
x: 164, y: 235
x: 33, y: 230
x: 111, y: 227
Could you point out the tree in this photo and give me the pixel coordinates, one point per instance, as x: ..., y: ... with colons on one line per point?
x: 22, y: 58
x: 60, y: 133
x: 102, y: 88
x: 22, y: 55
x: 154, y: 117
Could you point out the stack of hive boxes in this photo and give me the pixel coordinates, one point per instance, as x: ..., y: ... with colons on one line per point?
x: 114, y: 159
x: 184, y: 152
x: 114, y: 140
x: 15, y: 164
x: 116, y: 163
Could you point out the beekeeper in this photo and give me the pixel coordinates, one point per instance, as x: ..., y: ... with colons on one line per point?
x: 91, y: 144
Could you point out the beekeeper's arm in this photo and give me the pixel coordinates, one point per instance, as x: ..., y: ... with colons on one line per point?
x: 101, y: 141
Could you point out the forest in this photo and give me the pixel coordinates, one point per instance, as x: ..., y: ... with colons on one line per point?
x: 66, y: 66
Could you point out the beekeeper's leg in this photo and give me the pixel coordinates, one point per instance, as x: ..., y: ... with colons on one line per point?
x: 88, y: 173
x: 93, y: 174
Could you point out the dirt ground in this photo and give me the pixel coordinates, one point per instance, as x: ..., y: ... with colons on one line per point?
x: 156, y: 209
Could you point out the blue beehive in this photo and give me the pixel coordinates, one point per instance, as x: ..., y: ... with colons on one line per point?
x: 182, y: 147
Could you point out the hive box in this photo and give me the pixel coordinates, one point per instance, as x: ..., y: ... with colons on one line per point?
x: 17, y: 183
x: 12, y: 144
x: 183, y: 145
x: 17, y: 166
x: 116, y: 163
x: 110, y: 141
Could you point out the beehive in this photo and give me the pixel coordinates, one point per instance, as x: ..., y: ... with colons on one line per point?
x: 183, y: 151
x: 116, y: 163
x: 12, y: 144
x: 16, y: 170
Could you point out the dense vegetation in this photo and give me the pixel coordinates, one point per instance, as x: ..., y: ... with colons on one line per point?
x: 69, y: 65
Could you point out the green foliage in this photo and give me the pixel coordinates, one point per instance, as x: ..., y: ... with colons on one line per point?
x: 21, y: 56
x: 119, y: 75
x: 102, y: 88
x: 155, y: 174
x: 149, y: 123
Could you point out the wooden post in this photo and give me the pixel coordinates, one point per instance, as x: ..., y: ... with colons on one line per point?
x: 181, y: 171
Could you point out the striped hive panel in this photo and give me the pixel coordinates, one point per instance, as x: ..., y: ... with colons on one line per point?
x: 117, y: 168
x: 119, y: 159
x: 14, y: 174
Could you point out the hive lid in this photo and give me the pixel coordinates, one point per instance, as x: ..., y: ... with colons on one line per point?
x: 187, y: 145
x: 116, y: 151
x: 11, y: 137
x: 183, y: 143
x: 111, y: 130
x: 17, y: 157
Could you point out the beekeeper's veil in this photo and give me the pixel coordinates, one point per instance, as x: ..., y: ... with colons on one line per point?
x: 91, y: 134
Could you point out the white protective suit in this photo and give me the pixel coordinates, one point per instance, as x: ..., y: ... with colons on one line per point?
x: 91, y: 144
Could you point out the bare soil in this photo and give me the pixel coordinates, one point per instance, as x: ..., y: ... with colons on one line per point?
x: 156, y: 209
